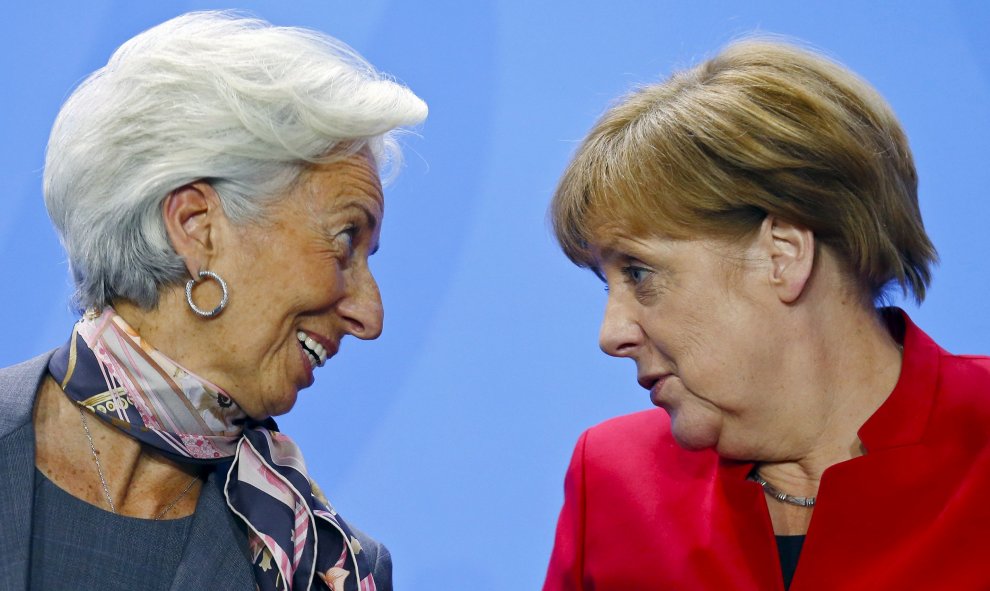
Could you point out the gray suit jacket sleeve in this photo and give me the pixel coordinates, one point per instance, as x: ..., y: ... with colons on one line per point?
x: 378, y: 557
x: 17, y: 387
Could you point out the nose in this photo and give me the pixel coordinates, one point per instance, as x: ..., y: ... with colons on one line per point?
x: 361, y: 309
x: 620, y: 335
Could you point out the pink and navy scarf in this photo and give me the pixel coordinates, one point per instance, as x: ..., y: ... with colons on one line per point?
x: 295, y: 536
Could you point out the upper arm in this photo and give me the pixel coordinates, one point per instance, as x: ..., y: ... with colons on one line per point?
x: 382, y: 569
x: 566, y: 569
x: 377, y: 557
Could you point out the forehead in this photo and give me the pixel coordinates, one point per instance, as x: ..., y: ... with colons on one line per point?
x: 349, y: 182
x: 610, y: 241
x: 663, y: 251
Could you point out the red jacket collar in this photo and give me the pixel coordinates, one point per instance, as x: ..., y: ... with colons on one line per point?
x: 902, y: 419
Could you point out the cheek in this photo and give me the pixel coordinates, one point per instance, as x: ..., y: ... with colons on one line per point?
x: 711, y: 373
x: 693, y: 338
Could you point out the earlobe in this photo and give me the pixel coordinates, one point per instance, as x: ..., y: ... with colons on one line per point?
x: 792, y: 257
x: 189, y: 214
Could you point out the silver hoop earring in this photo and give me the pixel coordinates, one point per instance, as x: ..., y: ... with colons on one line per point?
x: 223, y: 299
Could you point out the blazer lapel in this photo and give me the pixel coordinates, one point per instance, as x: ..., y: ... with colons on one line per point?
x: 16, y: 503
x: 216, y: 554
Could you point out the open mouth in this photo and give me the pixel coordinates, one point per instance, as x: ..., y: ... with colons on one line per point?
x: 315, y: 352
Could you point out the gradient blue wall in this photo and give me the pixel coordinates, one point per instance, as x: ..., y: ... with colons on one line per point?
x: 449, y: 436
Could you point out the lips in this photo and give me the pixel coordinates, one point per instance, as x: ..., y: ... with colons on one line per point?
x: 316, y: 348
x: 654, y: 383
x: 649, y: 381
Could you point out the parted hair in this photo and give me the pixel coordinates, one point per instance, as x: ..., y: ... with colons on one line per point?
x: 207, y: 96
x: 763, y: 128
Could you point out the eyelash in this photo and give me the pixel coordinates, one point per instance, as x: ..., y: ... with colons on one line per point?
x: 350, y: 233
x: 630, y: 272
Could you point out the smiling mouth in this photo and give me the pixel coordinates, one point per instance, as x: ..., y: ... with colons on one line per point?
x: 315, y: 352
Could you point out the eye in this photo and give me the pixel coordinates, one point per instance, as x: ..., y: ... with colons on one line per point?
x: 634, y: 274
x: 348, y: 238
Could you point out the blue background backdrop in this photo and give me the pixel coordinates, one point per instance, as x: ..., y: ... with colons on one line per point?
x: 448, y: 437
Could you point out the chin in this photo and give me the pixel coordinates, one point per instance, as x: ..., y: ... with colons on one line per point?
x: 694, y: 443
x: 284, y: 404
x: 271, y: 406
x: 694, y: 436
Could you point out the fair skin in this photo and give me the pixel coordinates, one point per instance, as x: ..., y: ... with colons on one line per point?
x: 761, y: 350
x: 303, y: 268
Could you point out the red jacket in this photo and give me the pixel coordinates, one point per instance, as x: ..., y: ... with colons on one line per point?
x: 640, y: 513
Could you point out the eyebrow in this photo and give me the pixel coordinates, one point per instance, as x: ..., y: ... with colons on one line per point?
x: 369, y: 217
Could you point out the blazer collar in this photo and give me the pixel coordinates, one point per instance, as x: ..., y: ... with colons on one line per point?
x: 902, y: 419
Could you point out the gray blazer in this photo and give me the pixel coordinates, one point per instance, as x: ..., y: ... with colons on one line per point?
x: 216, y: 555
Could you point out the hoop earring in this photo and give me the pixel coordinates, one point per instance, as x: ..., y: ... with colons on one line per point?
x: 223, y: 299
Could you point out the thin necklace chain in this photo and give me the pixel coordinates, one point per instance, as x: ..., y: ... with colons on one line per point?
x: 103, y: 480
x: 776, y: 493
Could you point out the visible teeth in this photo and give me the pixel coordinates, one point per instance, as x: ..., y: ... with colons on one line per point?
x: 316, y: 352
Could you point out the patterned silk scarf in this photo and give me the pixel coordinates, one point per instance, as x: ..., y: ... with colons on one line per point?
x: 296, y: 538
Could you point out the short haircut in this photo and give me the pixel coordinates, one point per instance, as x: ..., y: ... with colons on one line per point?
x: 207, y: 96
x: 763, y: 128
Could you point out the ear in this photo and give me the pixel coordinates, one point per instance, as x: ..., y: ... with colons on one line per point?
x: 191, y: 214
x: 791, y: 250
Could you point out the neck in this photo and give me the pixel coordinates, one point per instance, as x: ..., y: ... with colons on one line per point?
x: 140, y: 482
x: 185, y: 338
x: 168, y: 326
x: 841, y: 378
x: 840, y: 366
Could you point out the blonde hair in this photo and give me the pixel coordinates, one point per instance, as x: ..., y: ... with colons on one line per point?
x: 763, y: 128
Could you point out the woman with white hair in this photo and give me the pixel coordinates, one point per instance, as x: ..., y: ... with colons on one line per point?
x: 216, y: 187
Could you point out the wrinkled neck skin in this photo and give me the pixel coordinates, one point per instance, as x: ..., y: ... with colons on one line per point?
x: 141, y: 482
x: 839, y: 364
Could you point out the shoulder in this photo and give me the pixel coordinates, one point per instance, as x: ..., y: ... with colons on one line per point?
x: 962, y: 401
x: 643, y: 424
x: 639, y: 432
x: 637, y: 447
x: 378, y: 558
x: 18, y: 385
x: 955, y: 387
x: 966, y: 371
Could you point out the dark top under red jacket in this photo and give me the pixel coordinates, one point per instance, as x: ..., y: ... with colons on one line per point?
x: 640, y: 513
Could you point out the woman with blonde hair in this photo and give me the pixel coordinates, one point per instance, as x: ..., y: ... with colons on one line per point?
x: 748, y: 216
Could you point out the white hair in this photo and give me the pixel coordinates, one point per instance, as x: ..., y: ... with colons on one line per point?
x: 207, y: 96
